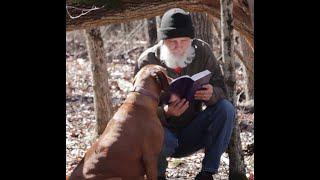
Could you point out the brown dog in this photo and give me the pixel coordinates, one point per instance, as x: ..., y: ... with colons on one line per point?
x: 129, y: 146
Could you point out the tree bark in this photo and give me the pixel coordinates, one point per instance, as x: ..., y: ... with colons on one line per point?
x: 152, y: 31
x: 125, y: 31
x: 217, y: 38
x: 248, y: 59
x: 203, y: 27
x: 102, y: 103
x: 251, y: 8
x: 128, y: 10
x: 236, y: 166
x: 158, y: 20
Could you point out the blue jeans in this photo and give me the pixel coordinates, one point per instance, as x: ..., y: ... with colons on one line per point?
x: 211, y: 130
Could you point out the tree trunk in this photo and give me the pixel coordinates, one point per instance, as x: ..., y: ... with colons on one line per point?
x: 152, y: 31
x: 216, y: 37
x: 102, y: 103
x: 203, y: 27
x: 236, y: 166
x: 128, y: 10
x: 158, y: 20
x: 251, y: 8
x: 248, y: 58
x: 125, y: 31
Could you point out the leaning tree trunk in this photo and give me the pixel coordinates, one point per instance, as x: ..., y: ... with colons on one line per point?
x: 202, y: 26
x: 236, y: 166
x: 102, y: 103
x: 152, y: 31
x: 81, y: 14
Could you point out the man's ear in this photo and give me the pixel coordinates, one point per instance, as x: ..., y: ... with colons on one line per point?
x: 161, y: 79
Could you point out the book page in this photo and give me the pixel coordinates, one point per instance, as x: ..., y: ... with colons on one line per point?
x: 199, y: 75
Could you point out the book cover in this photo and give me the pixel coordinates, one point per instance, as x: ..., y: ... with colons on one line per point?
x: 186, y: 86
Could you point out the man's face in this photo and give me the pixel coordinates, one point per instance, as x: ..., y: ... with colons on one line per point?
x: 178, y: 46
x: 177, y: 52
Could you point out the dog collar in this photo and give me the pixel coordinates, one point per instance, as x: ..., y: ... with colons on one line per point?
x: 145, y: 92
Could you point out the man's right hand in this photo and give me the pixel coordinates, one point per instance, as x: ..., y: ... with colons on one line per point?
x: 176, y: 106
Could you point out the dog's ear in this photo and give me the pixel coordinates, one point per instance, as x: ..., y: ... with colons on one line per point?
x: 161, y: 79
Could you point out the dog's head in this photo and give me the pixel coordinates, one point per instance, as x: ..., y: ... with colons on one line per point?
x: 155, y: 73
x: 160, y: 75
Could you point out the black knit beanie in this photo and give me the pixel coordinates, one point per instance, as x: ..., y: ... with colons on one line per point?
x: 176, y: 23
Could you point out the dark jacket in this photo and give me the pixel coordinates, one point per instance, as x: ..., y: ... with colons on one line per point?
x: 204, y: 59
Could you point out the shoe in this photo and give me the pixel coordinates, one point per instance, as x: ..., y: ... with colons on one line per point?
x: 204, y: 176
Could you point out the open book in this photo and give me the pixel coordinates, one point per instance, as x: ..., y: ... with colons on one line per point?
x: 186, y: 86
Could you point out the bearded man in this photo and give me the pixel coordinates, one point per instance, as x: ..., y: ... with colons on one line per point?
x: 190, y: 126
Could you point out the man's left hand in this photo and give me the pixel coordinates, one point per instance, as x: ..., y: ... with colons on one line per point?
x: 205, y: 94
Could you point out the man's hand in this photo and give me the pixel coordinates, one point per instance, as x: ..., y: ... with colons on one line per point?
x: 176, y: 106
x: 205, y: 94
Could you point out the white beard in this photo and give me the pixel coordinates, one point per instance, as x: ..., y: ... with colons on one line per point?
x: 173, y: 61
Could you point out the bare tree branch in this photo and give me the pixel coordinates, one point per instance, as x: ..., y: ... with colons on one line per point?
x: 84, y: 11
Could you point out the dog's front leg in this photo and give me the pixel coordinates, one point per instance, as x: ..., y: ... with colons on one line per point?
x: 151, y: 165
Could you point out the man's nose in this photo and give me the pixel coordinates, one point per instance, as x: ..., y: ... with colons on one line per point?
x: 179, y: 44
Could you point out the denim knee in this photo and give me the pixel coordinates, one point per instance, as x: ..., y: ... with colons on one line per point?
x: 170, y: 143
x: 224, y: 108
x: 222, y: 114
